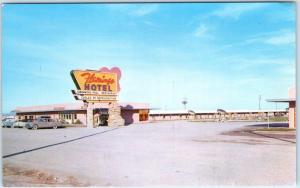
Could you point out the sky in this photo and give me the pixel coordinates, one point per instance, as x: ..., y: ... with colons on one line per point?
x: 216, y: 55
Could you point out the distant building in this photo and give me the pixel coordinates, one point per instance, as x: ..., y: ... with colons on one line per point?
x: 234, y: 115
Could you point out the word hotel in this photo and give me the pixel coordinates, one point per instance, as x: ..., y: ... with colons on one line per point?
x: 104, y: 84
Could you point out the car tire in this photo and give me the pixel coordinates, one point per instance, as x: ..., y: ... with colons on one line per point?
x: 34, y: 127
x: 55, y: 127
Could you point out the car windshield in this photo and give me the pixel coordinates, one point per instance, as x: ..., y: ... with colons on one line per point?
x: 7, y: 119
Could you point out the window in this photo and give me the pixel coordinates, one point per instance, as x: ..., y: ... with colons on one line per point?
x: 68, y: 116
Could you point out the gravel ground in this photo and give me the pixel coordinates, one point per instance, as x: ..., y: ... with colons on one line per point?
x: 163, y: 153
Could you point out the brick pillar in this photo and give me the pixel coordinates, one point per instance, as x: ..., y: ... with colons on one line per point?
x: 114, y: 115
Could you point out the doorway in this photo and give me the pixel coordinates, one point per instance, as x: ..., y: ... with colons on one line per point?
x: 101, y: 117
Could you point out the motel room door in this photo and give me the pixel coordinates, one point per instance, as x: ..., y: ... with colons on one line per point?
x: 143, y: 115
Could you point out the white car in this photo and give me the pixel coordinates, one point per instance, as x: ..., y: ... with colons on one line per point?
x: 20, y: 124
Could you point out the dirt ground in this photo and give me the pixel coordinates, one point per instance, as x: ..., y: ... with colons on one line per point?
x: 22, y: 177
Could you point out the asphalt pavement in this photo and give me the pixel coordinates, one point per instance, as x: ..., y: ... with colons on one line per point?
x: 164, y: 153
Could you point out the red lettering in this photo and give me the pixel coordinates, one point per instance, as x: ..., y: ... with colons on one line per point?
x: 91, y: 78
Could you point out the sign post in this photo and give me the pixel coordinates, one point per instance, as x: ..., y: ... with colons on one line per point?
x: 99, y: 86
x: 89, y: 116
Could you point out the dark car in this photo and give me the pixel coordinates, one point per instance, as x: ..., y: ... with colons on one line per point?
x: 43, y: 123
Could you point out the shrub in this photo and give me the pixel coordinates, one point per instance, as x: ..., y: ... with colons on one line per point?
x: 78, y: 122
x: 279, y: 118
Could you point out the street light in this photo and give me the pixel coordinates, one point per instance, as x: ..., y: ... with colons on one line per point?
x: 184, y: 102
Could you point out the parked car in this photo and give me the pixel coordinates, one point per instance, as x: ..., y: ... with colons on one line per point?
x: 21, y: 123
x: 43, y: 123
x: 8, y: 122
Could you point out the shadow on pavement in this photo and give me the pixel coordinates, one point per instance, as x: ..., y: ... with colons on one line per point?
x: 271, y: 125
x: 285, y: 136
x: 59, y: 143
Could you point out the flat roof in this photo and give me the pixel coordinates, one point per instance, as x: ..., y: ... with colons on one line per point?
x: 281, y: 100
x: 182, y: 112
x: 78, y: 106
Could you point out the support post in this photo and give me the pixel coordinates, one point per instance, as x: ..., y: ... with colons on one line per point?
x: 89, y: 116
x: 268, y: 120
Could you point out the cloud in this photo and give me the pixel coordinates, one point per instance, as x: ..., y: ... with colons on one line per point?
x: 285, y: 13
x: 137, y: 10
x: 236, y: 10
x: 286, y: 38
x: 278, y: 38
x: 144, y: 10
x: 289, y: 70
x: 149, y: 23
x: 116, y: 7
x: 201, y: 31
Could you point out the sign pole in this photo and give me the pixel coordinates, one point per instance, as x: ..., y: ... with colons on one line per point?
x: 268, y: 120
x: 90, y: 116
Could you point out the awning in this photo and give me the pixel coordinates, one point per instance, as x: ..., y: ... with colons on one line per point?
x: 281, y: 100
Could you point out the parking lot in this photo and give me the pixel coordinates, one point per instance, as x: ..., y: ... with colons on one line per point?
x: 163, y: 153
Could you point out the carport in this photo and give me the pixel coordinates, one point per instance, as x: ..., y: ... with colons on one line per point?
x: 292, y: 106
x: 292, y: 110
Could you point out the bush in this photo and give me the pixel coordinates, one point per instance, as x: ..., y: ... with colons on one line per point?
x: 78, y: 122
x: 279, y: 118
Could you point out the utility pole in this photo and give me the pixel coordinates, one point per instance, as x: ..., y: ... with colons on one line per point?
x: 259, y: 99
x: 184, y: 102
x: 173, y: 90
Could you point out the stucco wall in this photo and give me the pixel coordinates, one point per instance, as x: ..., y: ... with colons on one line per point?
x: 82, y: 118
x: 292, y: 108
x: 292, y: 115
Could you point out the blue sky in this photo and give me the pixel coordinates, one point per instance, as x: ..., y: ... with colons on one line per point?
x: 217, y: 55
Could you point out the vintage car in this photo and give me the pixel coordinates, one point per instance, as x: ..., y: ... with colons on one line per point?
x: 43, y: 123
x: 8, y: 122
x: 21, y: 123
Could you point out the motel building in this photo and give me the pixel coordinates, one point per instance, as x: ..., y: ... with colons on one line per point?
x: 137, y: 113
x: 76, y: 113
x: 228, y: 115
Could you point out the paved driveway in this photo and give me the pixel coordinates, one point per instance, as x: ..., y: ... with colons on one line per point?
x: 166, y: 153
